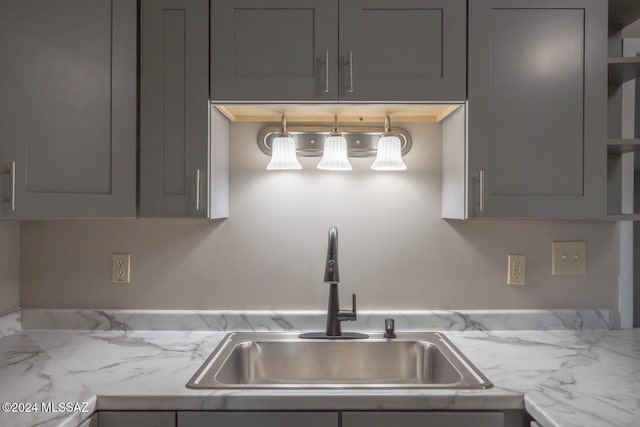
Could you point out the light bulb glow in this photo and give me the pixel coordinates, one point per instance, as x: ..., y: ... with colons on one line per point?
x: 389, y: 156
x: 334, y: 156
x: 283, y: 154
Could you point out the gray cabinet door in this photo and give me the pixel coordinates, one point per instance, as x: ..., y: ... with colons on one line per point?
x: 537, y: 108
x: 174, y: 108
x: 136, y: 419
x: 68, y: 108
x: 276, y: 50
x: 404, y: 50
x: 422, y: 419
x: 257, y: 419
x: 92, y: 421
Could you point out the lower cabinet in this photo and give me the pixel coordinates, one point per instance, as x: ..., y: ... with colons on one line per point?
x: 136, y: 419
x: 92, y: 421
x: 344, y: 419
x: 258, y: 419
x: 308, y: 419
x: 422, y: 419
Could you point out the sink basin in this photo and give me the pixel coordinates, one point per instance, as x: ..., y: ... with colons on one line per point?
x: 281, y: 360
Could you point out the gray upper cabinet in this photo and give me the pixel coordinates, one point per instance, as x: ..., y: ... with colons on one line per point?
x: 403, y: 50
x: 183, y: 144
x: 68, y: 109
x: 537, y: 109
x: 275, y: 50
x: 290, y: 51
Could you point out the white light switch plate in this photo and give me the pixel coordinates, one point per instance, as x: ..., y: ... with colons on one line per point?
x: 569, y: 258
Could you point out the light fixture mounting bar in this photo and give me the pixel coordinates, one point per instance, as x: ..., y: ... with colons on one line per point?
x: 361, y: 141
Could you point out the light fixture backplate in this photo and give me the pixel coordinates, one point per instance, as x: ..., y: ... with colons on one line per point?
x: 361, y: 141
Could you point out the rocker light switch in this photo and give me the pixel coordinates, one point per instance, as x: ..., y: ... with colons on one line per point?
x: 569, y: 258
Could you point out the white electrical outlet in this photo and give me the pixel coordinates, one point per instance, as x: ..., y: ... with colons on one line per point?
x: 121, y: 268
x: 517, y: 270
x: 569, y: 258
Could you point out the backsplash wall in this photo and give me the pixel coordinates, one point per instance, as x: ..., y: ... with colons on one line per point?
x: 395, y: 250
x: 9, y: 265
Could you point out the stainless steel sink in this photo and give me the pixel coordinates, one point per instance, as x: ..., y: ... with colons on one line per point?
x: 281, y: 360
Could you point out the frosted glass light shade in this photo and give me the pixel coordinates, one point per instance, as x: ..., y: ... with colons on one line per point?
x: 389, y: 156
x: 334, y: 156
x: 283, y: 154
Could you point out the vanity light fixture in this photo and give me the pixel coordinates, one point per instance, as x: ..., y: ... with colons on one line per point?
x: 334, y: 156
x: 389, y: 157
x: 283, y: 155
x: 326, y: 141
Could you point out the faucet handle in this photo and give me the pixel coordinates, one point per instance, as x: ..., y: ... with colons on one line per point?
x: 346, y: 315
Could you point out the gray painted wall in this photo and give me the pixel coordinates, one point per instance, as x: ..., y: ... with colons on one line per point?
x: 395, y: 250
x: 9, y: 265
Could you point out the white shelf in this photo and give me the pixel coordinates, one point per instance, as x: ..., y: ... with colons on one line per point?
x: 621, y: 146
x: 623, y: 69
x: 622, y: 217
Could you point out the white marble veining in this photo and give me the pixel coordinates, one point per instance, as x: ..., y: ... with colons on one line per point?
x: 29, y: 375
x: 134, y: 363
x: 599, y: 388
x: 305, y: 321
x: 10, y: 323
x: 149, y: 370
x: 564, y: 378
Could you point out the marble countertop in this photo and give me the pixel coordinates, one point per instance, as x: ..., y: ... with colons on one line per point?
x: 562, y: 378
x: 598, y: 387
x: 28, y: 375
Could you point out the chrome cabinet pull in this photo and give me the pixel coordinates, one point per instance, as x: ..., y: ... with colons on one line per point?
x: 482, y: 179
x: 350, y: 71
x: 197, y: 190
x: 12, y: 186
x: 326, y: 71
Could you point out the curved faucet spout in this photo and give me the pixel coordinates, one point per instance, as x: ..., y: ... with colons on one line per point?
x: 331, y: 272
x: 334, y: 314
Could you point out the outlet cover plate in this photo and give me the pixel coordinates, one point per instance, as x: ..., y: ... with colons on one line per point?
x: 517, y: 270
x: 121, y: 268
x: 569, y: 258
